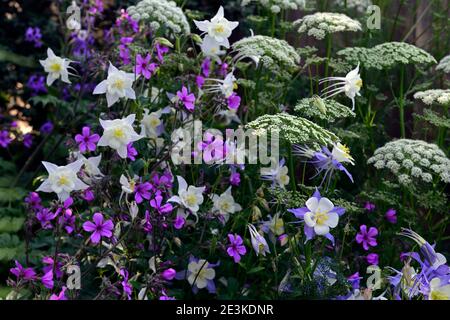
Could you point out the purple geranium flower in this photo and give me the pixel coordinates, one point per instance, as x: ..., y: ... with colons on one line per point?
x: 188, y: 99
x: 391, y: 216
x: 156, y: 204
x: 60, y: 296
x: 315, y: 201
x: 20, y: 272
x: 98, y: 228
x: 34, y: 35
x: 236, y: 247
x: 142, y: 191
x: 235, y: 178
x: 47, y: 127
x: 47, y: 280
x: 28, y: 140
x: 372, y: 258
x: 45, y: 216
x: 37, y: 84
x: 206, y: 67
x: 131, y: 152
x: 34, y: 200
x: 169, y: 274
x: 161, y: 51
x: 87, y: 141
x: 127, y: 287
x: 369, y: 206
x: 200, y: 81
x: 367, y: 237
x: 5, y: 140
x: 234, y: 101
x: 144, y: 66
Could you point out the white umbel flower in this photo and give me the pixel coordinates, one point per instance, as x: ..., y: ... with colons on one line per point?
x: 444, y: 64
x: 438, y: 96
x: 218, y: 28
x: 62, y: 180
x: 118, y: 134
x: 350, y: 84
x: 225, y: 204
x: 117, y: 85
x: 56, y: 67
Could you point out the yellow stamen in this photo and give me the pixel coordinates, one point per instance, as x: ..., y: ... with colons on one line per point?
x: 55, y: 67
x: 321, y: 217
x: 359, y: 83
x: 219, y: 28
x: 118, y: 133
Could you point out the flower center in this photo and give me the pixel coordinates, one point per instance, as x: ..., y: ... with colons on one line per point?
x: 191, y: 199
x: 219, y: 28
x: 63, y: 180
x: 119, y: 84
x: 225, y: 206
x: 55, y: 67
x: 321, y: 217
x: 118, y: 133
x: 438, y: 295
x: 359, y: 83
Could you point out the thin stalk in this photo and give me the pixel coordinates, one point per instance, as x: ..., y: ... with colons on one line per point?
x: 401, y: 102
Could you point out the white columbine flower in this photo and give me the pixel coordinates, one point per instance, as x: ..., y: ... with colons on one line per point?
x: 56, y: 67
x: 62, y: 180
x: 225, y: 86
x: 151, y: 124
x: 350, y: 85
x: 200, y: 273
x: 90, y: 165
x: 320, y: 215
x: 259, y: 244
x: 118, y: 134
x: 219, y: 28
x: 117, y: 85
x: 225, y: 204
x: 189, y: 197
x: 439, y: 290
x: 211, y: 48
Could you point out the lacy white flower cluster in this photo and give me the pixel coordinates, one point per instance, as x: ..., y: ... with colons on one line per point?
x: 436, y: 119
x: 386, y: 55
x: 359, y: 5
x: 412, y: 160
x: 276, y: 6
x: 273, y: 53
x: 438, y: 96
x: 294, y: 129
x: 320, y: 24
x: 444, y: 64
x: 161, y: 14
x: 323, y: 109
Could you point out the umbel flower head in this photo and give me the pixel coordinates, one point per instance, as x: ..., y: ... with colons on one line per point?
x: 387, y: 55
x: 218, y: 28
x: 323, y: 109
x: 275, y: 6
x: 412, y: 161
x: 296, y: 130
x: 118, y: 134
x: 62, y: 180
x: 319, y: 215
x: 56, y: 67
x: 117, y: 85
x: 350, y: 85
x: 434, y: 96
x: 359, y: 6
x: 444, y: 64
x: 275, y: 54
x: 321, y: 24
x: 161, y: 15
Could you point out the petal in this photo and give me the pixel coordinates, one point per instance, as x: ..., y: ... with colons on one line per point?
x: 101, y: 87
x: 325, y: 205
x: 321, y: 229
x: 312, y: 204
x: 49, y: 166
x: 98, y: 218
x: 89, y: 226
x: 308, y: 217
x: 333, y: 219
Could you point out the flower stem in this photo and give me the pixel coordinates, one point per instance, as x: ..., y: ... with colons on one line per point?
x: 401, y: 102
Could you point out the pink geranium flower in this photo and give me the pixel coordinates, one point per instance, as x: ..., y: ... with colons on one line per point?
x: 144, y: 66
x: 188, y: 99
x: 367, y: 237
x: 87, y: 141
x: 98, y: 228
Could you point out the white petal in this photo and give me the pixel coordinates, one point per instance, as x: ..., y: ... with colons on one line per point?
x: 321, y: 229
x: 49, y: 166
x: 325, y: 205
x: 111, y: 99
x: 312, y: 204
x: 101, y: 87
x: 122, y: 151
x: 182, y: 184
x: 333, y: 219
x: 45, y: 187
x: 309, y: 220
x: 130, y: 119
